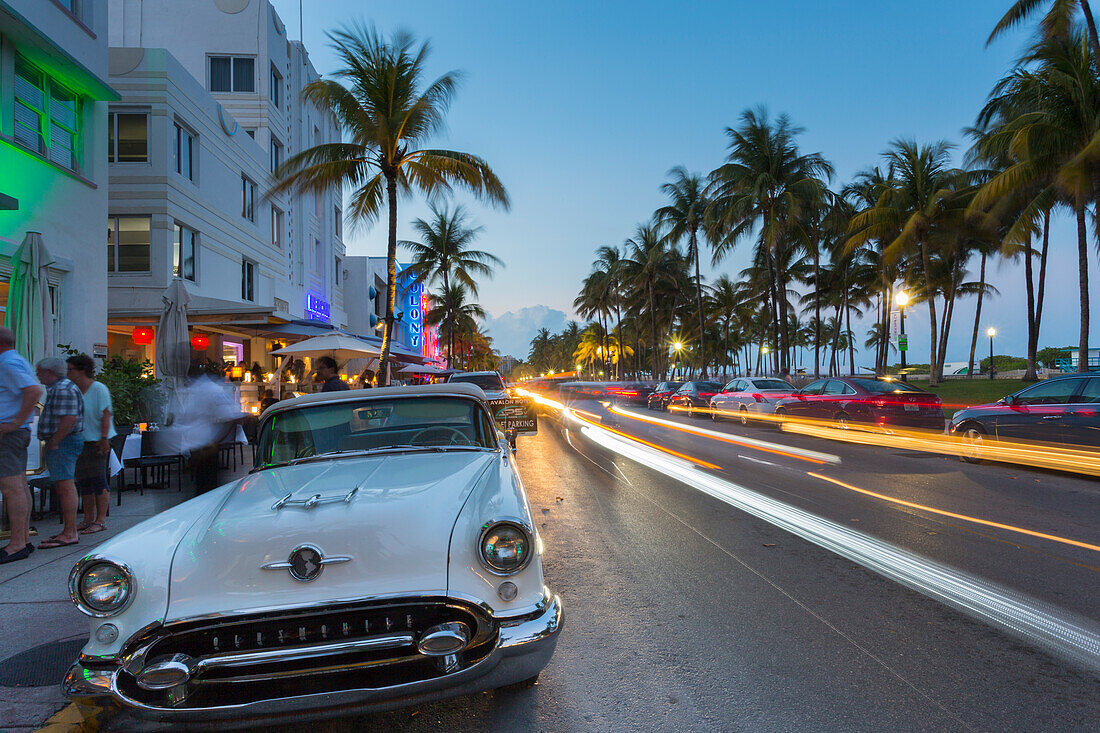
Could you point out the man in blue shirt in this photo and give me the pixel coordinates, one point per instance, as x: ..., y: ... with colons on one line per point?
x: 19, y: 392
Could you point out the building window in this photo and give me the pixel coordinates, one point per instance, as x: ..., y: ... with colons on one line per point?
x: 276, y: 154
x: 185, y: 152
x: 339, y: 267
x: 232, y: 74
x: 127, y: 244
x: 127, y: 137
x: 47, y: 116
x: 183, y: 253
x: 318, y: 256
x: 276, y: 228
x: 338, y: 223
x: 318, y: 210
x: 248, y: 199
x: 276, y: 88
x: 251, y: 133
x: 248, y: 280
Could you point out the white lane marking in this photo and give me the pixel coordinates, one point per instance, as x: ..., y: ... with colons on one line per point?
x: 1057, y: 630
x: 728, y: 437
x: 757, y: 460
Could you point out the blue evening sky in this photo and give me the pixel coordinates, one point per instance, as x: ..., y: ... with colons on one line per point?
x: 582, y: 108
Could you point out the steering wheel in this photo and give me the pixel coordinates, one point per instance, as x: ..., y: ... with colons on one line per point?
x: 452, y: 436
x: 305, y: 451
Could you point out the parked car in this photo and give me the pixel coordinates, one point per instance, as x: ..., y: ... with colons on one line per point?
x: 491, y: 383
x: 629, y: 393
x: 694, y: 395
x: 748, y: 397
x: 662, y: 393
x: 880, y: 402
x: 381, y: 553
x: 1057, y: 410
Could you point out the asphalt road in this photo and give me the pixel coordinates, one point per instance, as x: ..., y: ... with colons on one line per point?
x: 686, y: 613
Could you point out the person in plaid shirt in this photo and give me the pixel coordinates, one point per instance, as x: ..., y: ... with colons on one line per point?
x: 61, y: 425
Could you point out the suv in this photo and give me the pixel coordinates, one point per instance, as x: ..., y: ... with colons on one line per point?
x: 491, y: 383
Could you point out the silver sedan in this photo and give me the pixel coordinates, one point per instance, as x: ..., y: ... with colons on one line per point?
x: 747, y: 398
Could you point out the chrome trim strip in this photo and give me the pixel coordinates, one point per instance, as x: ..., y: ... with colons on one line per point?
x: 331, y: 560
x: 315, y: 500
x: 311, y: 651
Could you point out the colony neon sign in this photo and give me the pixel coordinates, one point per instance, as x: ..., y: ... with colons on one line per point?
x: 414, y: 312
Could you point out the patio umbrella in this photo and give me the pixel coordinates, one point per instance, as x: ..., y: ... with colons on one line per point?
x: 420, y: 369
x: 30, y: 314
x: 337, y: 345
x: 173, y: 347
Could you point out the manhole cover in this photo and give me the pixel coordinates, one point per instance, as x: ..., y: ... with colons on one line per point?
x: 40, y: 666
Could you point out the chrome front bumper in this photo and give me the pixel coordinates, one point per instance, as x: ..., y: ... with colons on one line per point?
x: 524, y: 647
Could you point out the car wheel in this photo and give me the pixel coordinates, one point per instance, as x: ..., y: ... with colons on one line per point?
x: 973, y: 436
x: 843, y: 421
x: 743, y: 413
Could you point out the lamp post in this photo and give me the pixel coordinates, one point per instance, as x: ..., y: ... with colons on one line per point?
x: 764, y: 350
x: 676, y: 346
x: 991, y: 333
x: 902, y: 299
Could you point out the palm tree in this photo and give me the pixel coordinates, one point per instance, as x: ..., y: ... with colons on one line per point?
x: 1057, y: 23
x: 684, y: 217
x: 911, y: 205
x: 444, y: 253
x: 456, y: 317
x: 1047, y: 116
x: 766, y: 185
x: 385, y: 114
x: 646, y: 264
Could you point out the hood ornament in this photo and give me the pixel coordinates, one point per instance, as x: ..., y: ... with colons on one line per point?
x: 314, y: 500
x: 306, y: 563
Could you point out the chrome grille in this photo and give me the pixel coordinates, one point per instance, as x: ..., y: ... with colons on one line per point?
x: 265, y: 656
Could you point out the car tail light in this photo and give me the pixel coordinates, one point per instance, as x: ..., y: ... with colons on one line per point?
x: 707, y: 394
x: 878, y: 403
x: 759, y: 398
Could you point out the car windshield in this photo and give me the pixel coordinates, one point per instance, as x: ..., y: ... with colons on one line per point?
x: 708, y: 386
x: 367, y: 425
x: 488, y: 382
x: 881, y: 387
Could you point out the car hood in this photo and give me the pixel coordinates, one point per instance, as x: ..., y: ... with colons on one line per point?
x: 396, y: 529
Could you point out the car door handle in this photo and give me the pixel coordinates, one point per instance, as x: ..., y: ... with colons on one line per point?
x: 1052, y: 417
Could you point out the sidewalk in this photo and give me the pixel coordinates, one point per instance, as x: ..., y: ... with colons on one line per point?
x: 41, y: 632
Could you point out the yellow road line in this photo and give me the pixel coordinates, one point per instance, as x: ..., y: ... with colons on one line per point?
x: 964, y: 517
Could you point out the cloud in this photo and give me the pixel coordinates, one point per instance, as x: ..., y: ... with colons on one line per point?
x: 512, y: 331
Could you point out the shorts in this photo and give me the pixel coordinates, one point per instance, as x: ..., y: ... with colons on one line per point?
x: 91, y: 470
x: 13, y: 452
x: 61, y: 463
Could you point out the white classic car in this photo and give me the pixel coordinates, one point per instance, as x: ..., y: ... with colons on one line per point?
x: 381, y: 553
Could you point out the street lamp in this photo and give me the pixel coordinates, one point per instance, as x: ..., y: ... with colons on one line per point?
x: 991, y: 333
x: 902, y: 299
x: 676, y: 346
x: 764, y: 350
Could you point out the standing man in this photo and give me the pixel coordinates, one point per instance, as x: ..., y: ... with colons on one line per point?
x: 327, y: 372
x: 19, y: 392
x: 99, y: 428
x: 62, y: 427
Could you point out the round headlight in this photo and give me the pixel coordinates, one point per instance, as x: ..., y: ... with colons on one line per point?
x: 103, y: 588
x: 505, y: 548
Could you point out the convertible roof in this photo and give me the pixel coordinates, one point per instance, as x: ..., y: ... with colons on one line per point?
x: 457, y: 389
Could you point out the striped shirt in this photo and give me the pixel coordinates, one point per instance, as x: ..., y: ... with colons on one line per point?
x: 62, y: 398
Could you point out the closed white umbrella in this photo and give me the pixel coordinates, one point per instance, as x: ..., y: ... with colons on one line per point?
x: 173, y: 345
x: 30, y: 313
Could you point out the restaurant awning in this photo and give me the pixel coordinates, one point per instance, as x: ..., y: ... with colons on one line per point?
x: 143, y: 306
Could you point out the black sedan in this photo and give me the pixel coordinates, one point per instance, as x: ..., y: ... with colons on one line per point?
x: 662, y: 393
x: 1062, y: 410
x: 629, y: 393
x: 694, y: 396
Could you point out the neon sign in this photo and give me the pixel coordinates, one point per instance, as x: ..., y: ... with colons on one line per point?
x: 317, y: 307
x: 415, y: 314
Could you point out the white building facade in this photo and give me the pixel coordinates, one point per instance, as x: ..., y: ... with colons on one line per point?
x: 210, y: 106
x: 54, y: 95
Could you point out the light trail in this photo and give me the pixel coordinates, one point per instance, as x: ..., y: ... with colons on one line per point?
x: 683, y: 456
x: 964, y: 517
x: 1052, y: 628
x: 762, y: 445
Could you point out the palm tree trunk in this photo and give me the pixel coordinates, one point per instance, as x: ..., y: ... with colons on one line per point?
x: 1090, y: 22
x: 653, y: 331
x: 817, y: 312
x: 978, y: 311
x: 851, y: 341
x: 450, y: 318
x: 391, y: 282
x: 1083, y: 284
x: 926, y: 263
x: 1042, y: 276
x: 699, y: 305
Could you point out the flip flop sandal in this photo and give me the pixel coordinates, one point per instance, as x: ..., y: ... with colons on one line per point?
x: 83, y: 526
x: 52, y: 543
x: 93, y: 528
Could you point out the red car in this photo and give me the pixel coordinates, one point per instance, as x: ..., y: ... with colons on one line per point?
x: 882, y: 402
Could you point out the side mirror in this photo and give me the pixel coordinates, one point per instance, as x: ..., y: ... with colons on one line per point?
x: 1008, y: 400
